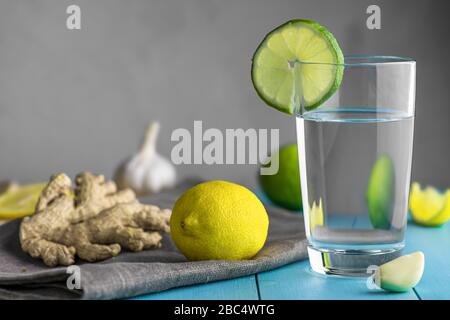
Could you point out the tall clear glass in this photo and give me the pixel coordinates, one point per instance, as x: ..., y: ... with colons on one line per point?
x: 355, y: 155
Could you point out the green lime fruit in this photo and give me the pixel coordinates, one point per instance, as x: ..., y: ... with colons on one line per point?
x: 283, y: 188
x: 219, y: 220
x: 300, y: 62
x: 380, y: 193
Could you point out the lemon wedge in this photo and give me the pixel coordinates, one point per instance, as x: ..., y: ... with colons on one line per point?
x: 428, y: 206
x: 19, y: 201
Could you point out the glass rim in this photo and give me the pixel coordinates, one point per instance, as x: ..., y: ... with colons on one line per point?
x: 366, y: 61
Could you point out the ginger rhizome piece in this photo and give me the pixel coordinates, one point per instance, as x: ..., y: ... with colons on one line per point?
x: 93, y: 221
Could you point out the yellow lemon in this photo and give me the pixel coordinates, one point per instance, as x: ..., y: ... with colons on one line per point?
x: 219, y: 220
x: 429, y: 207
x: 19, y: 201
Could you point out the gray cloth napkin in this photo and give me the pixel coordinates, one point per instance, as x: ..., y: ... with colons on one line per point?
x: 131, y: 274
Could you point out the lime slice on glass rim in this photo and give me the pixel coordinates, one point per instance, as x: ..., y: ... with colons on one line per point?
x: 298, y: 63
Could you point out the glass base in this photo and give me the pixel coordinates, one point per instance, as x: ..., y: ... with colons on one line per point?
x: 353, y: 263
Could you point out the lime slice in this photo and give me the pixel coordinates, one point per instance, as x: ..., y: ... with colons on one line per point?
x: 20, y: 201
x: 295, y: 65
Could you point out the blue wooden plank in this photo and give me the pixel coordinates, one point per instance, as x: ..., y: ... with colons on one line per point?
x: 341, y: 221
x: 243, y: 288
x: 297, y: 281
x: 434, y: 243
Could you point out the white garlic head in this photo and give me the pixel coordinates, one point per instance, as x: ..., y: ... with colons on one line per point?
x: 147, y: 172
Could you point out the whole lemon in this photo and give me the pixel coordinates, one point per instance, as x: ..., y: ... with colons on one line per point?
x: 219, y: 220
x: 283, y: 188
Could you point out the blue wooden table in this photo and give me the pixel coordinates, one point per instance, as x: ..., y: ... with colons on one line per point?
x: 296, y: 281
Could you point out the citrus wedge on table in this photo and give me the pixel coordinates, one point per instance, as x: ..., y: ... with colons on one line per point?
x: 428, y: 206
x: 19, y: 201
x: 402, y: 273
x: 300, y: 62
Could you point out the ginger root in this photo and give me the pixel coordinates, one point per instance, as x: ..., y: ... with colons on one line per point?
x: 93, y: 222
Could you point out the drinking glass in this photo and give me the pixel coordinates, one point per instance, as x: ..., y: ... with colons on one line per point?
x: 355, y: 155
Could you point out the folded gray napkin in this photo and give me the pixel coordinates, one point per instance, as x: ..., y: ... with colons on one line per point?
x: 131, y: 274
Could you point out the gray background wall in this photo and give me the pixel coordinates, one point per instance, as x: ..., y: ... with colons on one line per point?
x: 79, y: 100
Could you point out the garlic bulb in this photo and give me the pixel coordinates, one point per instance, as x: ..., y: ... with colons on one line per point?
x: 146, y: 172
